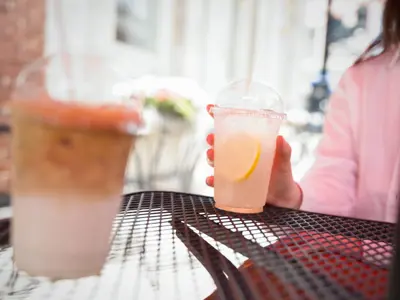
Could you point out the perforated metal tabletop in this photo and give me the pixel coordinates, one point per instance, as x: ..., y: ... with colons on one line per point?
x: 178, y: 246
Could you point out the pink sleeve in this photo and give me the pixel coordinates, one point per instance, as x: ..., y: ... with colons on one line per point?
x: 330, y: 185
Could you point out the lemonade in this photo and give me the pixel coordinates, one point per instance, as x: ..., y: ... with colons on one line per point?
x: 245, y: 144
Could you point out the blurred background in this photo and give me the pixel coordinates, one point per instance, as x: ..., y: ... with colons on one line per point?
x: 181, y: 52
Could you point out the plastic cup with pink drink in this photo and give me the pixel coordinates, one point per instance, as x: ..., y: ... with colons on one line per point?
x: 247, y: 118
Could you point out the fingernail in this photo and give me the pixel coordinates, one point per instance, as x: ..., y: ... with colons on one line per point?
x: 210, y: 181
x: 209, y: 109
x: 210, y: 139
x: 210, y: 154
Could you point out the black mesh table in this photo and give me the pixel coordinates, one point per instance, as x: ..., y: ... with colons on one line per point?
x: 178, y: 246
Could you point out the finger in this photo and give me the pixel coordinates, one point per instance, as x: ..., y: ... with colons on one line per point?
x: 209, y: 110
x: 210, y: 181
x: 210, y: 157
x: 210, y: 139
x: 286, y: 149
x: 283, y: 149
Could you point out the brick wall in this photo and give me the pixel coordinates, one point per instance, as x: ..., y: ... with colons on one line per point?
x: 21, y: 41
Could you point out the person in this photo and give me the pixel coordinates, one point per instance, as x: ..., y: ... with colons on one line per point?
x: 356, y: 171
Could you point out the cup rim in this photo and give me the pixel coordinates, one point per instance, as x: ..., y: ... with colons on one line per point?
x: 266, y: 113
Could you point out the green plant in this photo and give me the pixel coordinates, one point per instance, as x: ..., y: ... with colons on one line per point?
x: 167, y: 103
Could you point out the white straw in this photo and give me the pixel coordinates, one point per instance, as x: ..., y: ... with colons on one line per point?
x: 253, y: 42
x: 63, y: 45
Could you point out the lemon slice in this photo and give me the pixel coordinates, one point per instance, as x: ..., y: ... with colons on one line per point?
x: 238, y: 156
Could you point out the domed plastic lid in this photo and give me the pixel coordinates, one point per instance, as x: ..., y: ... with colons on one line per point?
x: 255, y: 96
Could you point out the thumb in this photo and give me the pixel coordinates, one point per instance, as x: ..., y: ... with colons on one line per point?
x: 283, y: 150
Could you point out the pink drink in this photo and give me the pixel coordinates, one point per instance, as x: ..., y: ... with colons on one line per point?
x: 247, y: 116
x: 244, y: 152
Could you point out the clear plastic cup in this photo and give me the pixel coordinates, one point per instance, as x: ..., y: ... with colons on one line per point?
x: 74, y: 121
x: 247, y: 120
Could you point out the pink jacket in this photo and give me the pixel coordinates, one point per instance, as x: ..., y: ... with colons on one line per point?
x: 356, y: 172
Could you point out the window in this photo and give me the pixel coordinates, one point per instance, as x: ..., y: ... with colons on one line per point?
x: 137, y: 23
